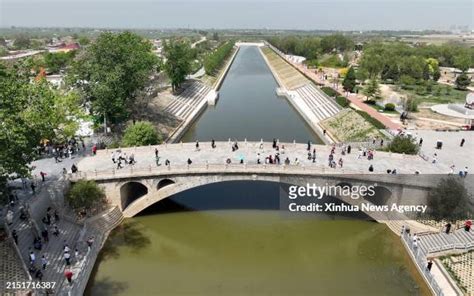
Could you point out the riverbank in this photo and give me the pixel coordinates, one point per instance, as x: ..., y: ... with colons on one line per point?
x: 211, y: 97
x: 310, y: 102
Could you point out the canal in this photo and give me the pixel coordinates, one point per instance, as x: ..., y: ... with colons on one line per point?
x: 232, y: 239
x: 248, y: 107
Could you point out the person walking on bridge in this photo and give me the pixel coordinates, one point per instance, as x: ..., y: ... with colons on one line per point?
x: 213, y: 144
x: 68, y: 274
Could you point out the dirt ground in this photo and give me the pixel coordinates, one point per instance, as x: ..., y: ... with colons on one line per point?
x: 429, y: 120
x: 152, y: 109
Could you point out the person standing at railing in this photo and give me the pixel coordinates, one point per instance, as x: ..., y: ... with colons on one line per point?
x: 429, y: 265
x: 448, y: 228
x: 467, y: 225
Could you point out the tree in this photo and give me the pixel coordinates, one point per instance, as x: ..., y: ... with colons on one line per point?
x: 214, y: 60
x: 57, y: 61
x: 178, y: 62
x: 3, y: 51
x: 463, y: 81
x: 349, y: 81
x: 411, y: 105
x: 405, y: 145
x: 31, y: 111
x: 372, y: 90
x: 112, y: 72
x: 449, y: 201
x: 85, y: 194
x: 83, y: 40
x: 142, y: 133
x: 462, y: 62
x: 22, y: 42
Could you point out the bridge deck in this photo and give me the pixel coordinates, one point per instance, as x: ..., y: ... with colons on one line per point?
x: 178, y: 154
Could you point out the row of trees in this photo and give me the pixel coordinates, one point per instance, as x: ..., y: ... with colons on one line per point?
x: 401, y: 63
x: 213, y: 61
x: 312, y: 47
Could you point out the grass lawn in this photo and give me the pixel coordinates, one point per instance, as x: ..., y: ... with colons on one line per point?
x: 350, y: 126
x: 438, y: 95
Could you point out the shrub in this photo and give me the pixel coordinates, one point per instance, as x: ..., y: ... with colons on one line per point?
x: 329, y: 91
x: 372, y: 120
x: 462, y: 81
x: 389, y: 107
x: 411, y: 105
x: 404, y: 145
x: 141, y: 133
x: 342, y: 101
x: 85, y: 194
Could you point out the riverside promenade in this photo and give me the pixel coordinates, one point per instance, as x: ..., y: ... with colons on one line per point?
x: 73, y: 232
x: 356, y: 99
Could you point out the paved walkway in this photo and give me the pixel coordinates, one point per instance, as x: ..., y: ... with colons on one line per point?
x: 356, y: 99
x: 178, y: 154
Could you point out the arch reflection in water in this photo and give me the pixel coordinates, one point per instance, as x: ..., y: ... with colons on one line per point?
x: 250, y: 252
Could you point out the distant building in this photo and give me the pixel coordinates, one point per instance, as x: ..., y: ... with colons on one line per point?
x: 64, y: 47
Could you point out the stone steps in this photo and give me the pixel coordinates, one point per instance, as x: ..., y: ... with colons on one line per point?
x: 320, y: 105
x: 185, y: 103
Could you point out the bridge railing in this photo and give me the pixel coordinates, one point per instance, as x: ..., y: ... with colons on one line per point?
x: 198, y: 168
x: 421, y: 261
x: 421, y: 181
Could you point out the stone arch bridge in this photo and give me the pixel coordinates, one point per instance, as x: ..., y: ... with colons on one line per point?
x: 133, y: 190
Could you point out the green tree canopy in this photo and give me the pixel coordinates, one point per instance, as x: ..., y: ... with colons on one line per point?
x: 31, y: 111
x: 85, y: 194
x: 142, y: 133
x: 111, y: 73
x: 349, y: 81
x: 405, y: 145
x: 84, y: 40
x: 214, y: 60
x: 178, y: 55
x: 463, y: 61
x: 449, y: 201
x: 463, y: 81
x: 57, y: 61
x: 372, y: 90
x: 22, y: 42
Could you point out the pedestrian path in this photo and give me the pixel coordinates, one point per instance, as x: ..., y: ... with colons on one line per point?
x: 183, y: 105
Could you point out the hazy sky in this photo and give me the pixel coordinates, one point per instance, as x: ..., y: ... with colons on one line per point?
x: 282, y: 14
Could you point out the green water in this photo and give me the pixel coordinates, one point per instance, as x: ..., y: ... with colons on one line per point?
x: 253, y: 252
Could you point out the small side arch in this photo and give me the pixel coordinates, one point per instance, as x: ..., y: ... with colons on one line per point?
x: 131, y: 191
x: 163, y: 183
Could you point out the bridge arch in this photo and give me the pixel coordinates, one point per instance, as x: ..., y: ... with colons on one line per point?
x: 130, y: 192
x: 181, y: 184
x: 164, y: 182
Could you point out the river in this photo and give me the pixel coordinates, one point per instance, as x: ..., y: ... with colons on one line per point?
x: 248, y: 107
x: 232, y: 239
